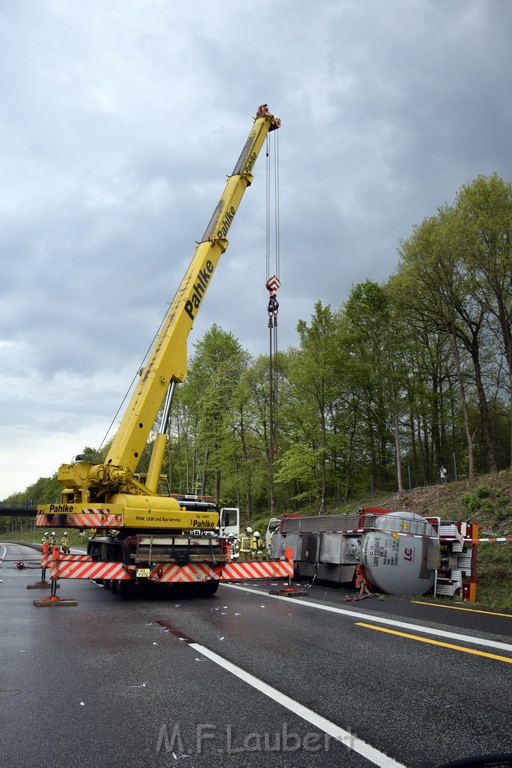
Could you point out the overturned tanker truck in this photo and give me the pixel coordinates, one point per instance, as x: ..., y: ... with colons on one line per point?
x: 400, y: 553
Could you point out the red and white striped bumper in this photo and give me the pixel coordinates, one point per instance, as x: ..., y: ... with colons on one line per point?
x: 83, y: 567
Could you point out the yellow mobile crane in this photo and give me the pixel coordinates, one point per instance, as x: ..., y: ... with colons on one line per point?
x: 140, y: 534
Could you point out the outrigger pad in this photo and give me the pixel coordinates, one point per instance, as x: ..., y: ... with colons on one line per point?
x: 39, y: 585
x: 54, y: 602
x: 289, y: 592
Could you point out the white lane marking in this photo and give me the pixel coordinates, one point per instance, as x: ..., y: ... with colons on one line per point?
x: 382, y: 620
x: 2, y: 556
x: 340, y: 734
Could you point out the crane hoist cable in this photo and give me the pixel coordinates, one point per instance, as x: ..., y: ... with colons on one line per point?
x: 273, y: 282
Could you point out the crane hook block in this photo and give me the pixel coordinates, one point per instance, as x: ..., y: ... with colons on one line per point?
x: 272, y: 285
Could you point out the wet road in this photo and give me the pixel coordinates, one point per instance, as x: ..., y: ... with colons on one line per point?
x: 245, y: 678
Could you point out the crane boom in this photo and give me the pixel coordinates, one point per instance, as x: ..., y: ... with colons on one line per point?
x: 168, y: 358
x: 167, y: 361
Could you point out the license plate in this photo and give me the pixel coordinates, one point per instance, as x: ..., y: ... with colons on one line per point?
x: 143, y: 573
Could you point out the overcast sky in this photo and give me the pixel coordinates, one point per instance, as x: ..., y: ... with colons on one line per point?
x: 120, y: 120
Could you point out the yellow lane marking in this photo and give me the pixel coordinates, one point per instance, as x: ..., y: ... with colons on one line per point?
x: 457, y: 608
x: 506, y: 659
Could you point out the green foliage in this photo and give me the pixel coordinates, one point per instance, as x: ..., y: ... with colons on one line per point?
x: 94, y: 455
x: 208, y: 413
x: 298, y: 465
x: 487, y: 503
x: 494, y: 574
x: 44, y: 491
x: 478, y: 500
x: 483, y: 492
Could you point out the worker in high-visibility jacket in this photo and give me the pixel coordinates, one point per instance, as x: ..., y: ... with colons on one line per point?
x: 53, y: 539
x: 257, y: 547
x: 244, y: 545
x: 65, y: 543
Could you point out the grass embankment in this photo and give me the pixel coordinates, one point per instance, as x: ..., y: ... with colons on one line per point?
x: 494, y: 574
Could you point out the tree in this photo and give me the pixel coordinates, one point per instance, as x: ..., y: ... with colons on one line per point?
x: 313, y: 391
x: 374, y: 353
x: 215, y: 370
x: 436, y: 283
x: 485, y: 208
x: 252, y: 426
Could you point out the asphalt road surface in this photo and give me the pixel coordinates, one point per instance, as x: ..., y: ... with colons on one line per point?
x: 245, y: 678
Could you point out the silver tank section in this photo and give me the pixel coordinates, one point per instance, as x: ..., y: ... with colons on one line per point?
x: 401, y: 554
